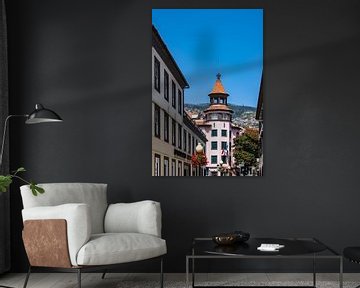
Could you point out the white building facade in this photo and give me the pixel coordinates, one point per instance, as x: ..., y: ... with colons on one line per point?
x: 174, y: 134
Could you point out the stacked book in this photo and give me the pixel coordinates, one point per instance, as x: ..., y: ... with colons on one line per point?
x: 270, y: 247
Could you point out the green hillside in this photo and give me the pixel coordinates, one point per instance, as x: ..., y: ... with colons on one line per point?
x: 238, y: 109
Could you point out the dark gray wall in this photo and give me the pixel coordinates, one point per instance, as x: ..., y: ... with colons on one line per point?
x: 4, y: 166
x: 90, y: 61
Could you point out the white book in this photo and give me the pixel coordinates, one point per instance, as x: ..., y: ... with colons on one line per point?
x: 270, y: 247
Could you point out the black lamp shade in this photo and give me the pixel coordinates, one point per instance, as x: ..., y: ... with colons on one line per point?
x: 42, y: 115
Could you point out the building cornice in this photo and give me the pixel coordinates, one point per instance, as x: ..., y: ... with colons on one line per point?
x: 188, y: 122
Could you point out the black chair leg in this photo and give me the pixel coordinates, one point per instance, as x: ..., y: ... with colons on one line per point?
x: 79, y: 278
x: 27, y: 277
x: 161, y: 273
x: 103, y: 275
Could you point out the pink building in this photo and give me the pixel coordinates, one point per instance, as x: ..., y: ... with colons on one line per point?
x: 219, y: 130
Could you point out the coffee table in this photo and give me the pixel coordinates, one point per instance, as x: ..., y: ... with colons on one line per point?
x: 294, y: 248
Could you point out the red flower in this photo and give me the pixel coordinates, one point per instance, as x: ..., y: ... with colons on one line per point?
x: 199, y: 159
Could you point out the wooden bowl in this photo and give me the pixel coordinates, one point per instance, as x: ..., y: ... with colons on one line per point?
x: 225, y: 239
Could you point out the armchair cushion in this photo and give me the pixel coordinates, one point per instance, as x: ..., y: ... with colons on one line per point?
x: 78, y: 221
x: 138, y: 217
x: 92, y: 194
x: 113, y: 248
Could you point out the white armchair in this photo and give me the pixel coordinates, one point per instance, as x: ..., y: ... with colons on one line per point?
x: 79, y: 231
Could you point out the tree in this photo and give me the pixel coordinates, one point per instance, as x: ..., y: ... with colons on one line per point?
x: 246, y: 147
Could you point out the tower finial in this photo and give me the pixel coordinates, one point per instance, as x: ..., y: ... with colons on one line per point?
x: 218, y: 75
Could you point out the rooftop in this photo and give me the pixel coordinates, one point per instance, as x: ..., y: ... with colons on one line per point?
x: 202, y: 122
x: 220, y: 107
x: 190, y: 123
x: 218, y: 87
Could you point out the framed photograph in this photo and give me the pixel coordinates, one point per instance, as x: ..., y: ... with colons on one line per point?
x: 207, y: 99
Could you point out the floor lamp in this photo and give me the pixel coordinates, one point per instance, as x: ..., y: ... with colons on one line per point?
x: 39, y: 115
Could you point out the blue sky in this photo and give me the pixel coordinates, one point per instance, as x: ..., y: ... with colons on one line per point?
x: 207, y: 41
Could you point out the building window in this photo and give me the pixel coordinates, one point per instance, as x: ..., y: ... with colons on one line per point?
x: 157, y: 74
x: 189, y: 144
x: 213, y: 159
x: 224, y: 133
x: 213, y: 117
x: 166, y: 85
x: 173, y: 132
x: 180, y: 136
x: 166, y: 127
x: 179, y: 168
x: 185, y: 137
x: 224, y: 145
x: 192, y: 145
x: 173, y: 94
x: 157, y: 165
x: 214, y: 145
x: 214, y: 132
x: 173, y: 167
x: 157, y: 121
x: 179, y: 102
x: 166, y: 166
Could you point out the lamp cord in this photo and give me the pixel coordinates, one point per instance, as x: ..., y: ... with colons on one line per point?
x: 4, y: 134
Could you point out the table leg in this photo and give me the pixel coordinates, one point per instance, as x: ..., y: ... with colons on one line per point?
x: 193, y: 272
x: 187, y: 272
x: 193, y: 267
x: 314, y: 271
x: 341, y: 273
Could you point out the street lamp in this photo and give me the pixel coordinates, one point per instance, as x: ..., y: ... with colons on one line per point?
x: 224, y: 169
x: 199, y: 148
x: 198, y: 159
x: 221, y: 168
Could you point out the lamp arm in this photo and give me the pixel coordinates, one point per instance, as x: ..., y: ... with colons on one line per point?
x: 4, y: 134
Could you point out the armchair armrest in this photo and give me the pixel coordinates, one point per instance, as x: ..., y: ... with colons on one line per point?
x: 138, y: 217
x: 77, y: 217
